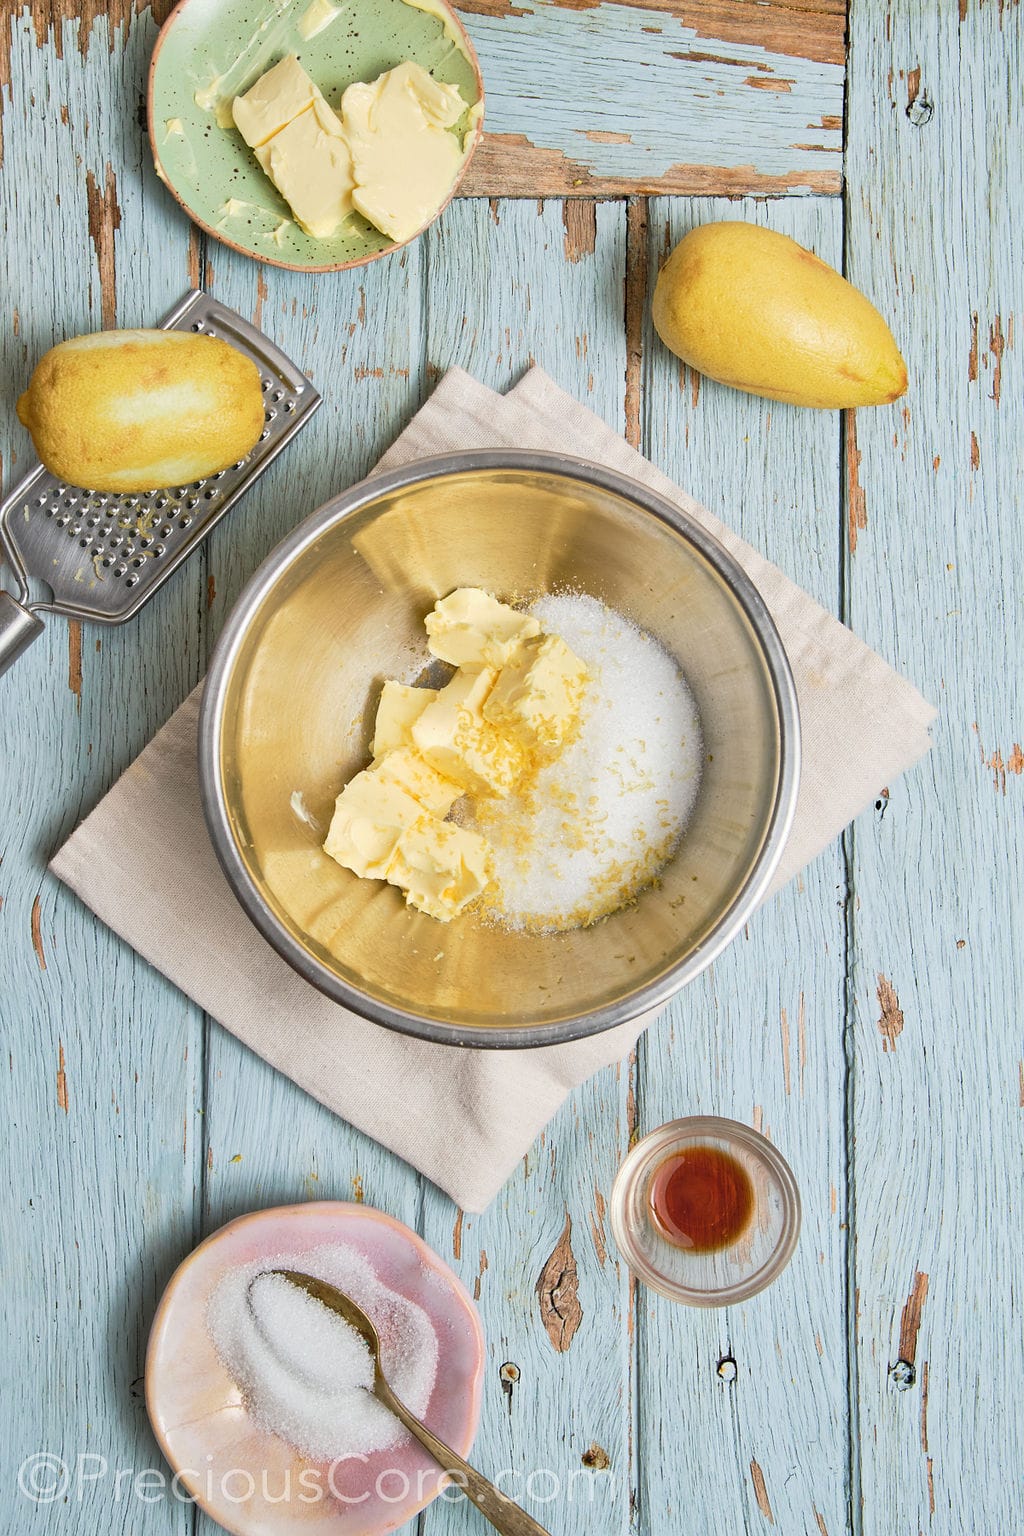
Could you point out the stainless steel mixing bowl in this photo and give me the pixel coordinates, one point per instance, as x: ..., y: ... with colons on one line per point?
x: 339, y: 606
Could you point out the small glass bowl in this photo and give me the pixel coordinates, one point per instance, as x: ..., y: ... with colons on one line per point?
x: 725, y: 1275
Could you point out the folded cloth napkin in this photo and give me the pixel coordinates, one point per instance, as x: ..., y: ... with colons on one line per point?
x: 159, y: 883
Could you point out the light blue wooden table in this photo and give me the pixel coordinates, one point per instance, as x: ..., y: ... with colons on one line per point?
x: 869, y: 1019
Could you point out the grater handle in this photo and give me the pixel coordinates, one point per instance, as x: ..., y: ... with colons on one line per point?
x: 18, y: 628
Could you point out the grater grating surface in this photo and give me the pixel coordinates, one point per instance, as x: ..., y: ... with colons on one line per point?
x: 103, y: 555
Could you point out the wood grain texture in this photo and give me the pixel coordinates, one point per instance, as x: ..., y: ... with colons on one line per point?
x: 359, y: 339
x: 933, y: 236
x: 760, y: 1388
x: 688, y: 96
x: 104, y: 1058
x: 867, y: 1020
x: 544, y: 289
x: 807, y: 29
x: 615, y: 99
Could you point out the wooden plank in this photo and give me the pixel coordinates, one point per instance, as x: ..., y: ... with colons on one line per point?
x: 743, y: 1411
x: 935, y: 582
x: 104, y: 1057
x: 358, y: 335
x: 686, y: 96
x: 611, y: 99
x: 805, y: 29
x: 546, y: 285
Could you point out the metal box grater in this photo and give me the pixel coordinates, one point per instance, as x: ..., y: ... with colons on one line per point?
x: 103, y: 555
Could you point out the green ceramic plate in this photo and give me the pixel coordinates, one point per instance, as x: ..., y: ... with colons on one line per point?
x: 212, y: 50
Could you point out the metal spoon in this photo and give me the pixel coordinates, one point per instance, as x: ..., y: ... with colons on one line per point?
x: 504, y: 1515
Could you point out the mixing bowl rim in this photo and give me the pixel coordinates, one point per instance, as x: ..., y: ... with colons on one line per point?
x: 642, y: 1000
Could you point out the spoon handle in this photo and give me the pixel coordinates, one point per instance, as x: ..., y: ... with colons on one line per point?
x: 505, y: 1515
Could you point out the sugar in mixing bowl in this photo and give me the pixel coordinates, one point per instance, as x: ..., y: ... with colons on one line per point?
x: 339, y: 605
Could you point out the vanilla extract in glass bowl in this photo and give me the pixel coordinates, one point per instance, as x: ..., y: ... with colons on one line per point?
x: 705, y: 1211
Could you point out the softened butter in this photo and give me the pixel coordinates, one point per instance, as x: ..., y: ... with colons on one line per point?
x: 274, y: 101
x: 370, y: 816
x: 300, y: 144
x: 536, y: 695
x: 413, y: 774
x: 510, y: 706
x: 441, y: 867
x: 455, y: 738
x: 469, y: 627
x: 310, y: 165
x: 400, y: 705
x: 404, y: 156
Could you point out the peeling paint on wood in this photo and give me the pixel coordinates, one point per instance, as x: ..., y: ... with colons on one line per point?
x: 47, y: 18
x: 856, y: 501
x: 75, y: 659
x: 513, y: 165
x: 597, y: 1228
x: 62, y: 1079
x: 738, y: 113
x: 761, y: 1492
x: 999, y: 766
x: 580, y: 220
x: 811, y: 29
x: 557, y: 1292
x: 996, y: 347
x: 910, y: 1321
x: 104, y: 221
x: 192, y: 262
x: 890, y: 1022
x: 261, y: 294
x: 635, y: 304
x: 933, y: 237
x: 1014, y: 764
x: 37, y: 933
x: 784, y: 1027
x: 723, y: 119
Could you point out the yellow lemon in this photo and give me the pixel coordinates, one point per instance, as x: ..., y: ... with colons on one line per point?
x: 752, y: 308
x: 135, y: 410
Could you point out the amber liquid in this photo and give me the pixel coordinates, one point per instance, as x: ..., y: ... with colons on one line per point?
x: 701, y: 1198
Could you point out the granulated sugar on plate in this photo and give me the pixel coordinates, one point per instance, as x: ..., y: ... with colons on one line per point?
x: 303, y: 1372
x: 598, y: 824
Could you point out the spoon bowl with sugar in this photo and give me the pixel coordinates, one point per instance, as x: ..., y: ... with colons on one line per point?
x: 503, y: 1513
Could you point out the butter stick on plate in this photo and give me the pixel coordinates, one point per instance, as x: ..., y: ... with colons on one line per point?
x: 300, y: 144
x: 390, y: 154
x: 404, y: 157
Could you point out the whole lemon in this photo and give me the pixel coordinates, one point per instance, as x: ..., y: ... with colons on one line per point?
x: 129, y: 410
x: 752, y: 308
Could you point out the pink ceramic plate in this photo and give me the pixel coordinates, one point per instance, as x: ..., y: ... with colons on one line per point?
x: 250, y: 1481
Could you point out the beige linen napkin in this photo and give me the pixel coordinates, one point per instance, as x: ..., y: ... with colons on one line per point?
x: 464, y: 1118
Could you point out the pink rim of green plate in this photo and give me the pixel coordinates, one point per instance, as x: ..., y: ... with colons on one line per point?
x: 208, y: 167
